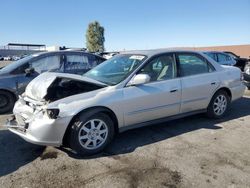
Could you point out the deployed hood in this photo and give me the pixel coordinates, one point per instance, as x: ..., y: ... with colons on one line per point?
x: 54, y: 86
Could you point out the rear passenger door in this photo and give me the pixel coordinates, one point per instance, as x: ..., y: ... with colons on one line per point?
x: 198, y: 79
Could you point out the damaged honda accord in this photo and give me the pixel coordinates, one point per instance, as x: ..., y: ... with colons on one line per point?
x: 130, y: 90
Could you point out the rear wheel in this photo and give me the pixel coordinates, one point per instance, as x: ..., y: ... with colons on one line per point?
x: 7, y: 101
x: 218, y: 105
x: 91, y: 133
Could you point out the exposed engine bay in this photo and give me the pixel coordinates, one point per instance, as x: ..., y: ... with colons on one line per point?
x: 65, y: 87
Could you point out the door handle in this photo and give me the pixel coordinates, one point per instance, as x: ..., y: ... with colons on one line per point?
x: 213, y: 83
x: 173, y: 90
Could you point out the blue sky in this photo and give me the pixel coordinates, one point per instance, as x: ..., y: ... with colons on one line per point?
x: 129, y: 24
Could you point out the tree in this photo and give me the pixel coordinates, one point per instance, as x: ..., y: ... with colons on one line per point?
x: 95, y: 37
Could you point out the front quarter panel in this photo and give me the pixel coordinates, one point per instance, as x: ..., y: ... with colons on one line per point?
x: 108, y: 97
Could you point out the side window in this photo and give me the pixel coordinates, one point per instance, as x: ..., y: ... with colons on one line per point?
x: 222, y: 58
x: 49, y: 63
x: 191, y: 64
x: 228, y: 58
x: 99, y: 60
x: 21, y: 69
x: 160, y: 68
x: 212, y: 55
x: 76, y: 62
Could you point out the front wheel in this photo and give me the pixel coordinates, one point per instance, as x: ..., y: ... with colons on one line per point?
x: 7, y: 102
x: 218, y: 105
x: 91, y: 133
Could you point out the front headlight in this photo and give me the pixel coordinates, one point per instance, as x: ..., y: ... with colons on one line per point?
x: 52, y: 113
x: 247, y: 70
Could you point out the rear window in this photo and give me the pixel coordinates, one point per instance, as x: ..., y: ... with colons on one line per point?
x: 192, y: 64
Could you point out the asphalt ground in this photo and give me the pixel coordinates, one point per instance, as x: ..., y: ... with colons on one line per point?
x: 190, y: 152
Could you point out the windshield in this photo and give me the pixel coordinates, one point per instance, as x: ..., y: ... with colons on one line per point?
x: 116, y: 69
x: 16, y: 64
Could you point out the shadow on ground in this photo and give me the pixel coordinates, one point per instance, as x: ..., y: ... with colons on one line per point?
x: 128, y: 141
x: 15, y: 152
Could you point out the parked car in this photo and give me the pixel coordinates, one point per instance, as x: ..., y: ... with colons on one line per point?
x: 1, y: 58
x: 108, y: 55
x: 130, y: 90
x: 15, y: 77
x: 246, y: 75
x: 16, y: 58
x: 240, y: 62
x: 7, y: 58
x: 221, y: 58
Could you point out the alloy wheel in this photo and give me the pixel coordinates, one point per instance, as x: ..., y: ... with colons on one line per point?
x: 220, y: 105
x: 93, y: 134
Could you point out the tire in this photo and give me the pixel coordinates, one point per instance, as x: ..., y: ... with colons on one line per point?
x: 7, y: 101
x: 218, y: 105
x: 90, y: 133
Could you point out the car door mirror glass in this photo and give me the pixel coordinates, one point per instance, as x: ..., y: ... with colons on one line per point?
x: 139, y: 79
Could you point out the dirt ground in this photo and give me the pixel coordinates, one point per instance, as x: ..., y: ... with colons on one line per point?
x: 190, y: 152
x: 4, y: 63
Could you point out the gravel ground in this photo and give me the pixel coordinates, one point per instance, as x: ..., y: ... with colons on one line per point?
x: 190, y: 152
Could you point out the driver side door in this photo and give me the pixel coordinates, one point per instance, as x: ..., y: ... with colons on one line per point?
x: 156, y: 99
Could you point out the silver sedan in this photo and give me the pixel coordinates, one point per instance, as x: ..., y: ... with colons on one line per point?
x: 130, y: 90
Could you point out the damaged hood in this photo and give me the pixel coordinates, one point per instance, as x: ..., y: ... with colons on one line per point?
x: 38, y: 87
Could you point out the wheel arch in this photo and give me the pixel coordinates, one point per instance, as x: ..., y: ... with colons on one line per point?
x: 94, y: 109
x: 11, y: 92
x: 227, y: 90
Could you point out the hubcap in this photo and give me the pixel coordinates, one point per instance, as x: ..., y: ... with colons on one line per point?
x: 3, y: 101
x: 220, y: 105
x: 93, y: 134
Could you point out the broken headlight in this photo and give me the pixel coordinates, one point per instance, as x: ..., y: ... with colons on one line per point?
x: 53, y: 113
x: 247, y: 70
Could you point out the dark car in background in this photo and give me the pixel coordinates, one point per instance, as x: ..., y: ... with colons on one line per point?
x: 240, y: 62
x: 15, y: 77
x: 221, y: 58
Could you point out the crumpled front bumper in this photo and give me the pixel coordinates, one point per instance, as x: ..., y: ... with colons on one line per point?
x: 246, y: 79
x: 37, y: 127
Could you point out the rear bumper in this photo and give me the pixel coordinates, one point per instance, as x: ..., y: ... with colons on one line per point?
x: 238, y: 91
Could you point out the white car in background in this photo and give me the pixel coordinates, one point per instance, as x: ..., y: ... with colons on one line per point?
x: 7, y: 58
x: 130, y: 90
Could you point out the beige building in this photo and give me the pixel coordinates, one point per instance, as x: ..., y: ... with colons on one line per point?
x: 241, y: 50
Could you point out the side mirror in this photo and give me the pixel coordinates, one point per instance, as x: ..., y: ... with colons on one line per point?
x: 29, y: 71
x: 139, y: 79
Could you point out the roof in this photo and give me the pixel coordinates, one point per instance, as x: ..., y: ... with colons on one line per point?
x: 153, y: 52
x: 65, y: 52
x: 215, y: 52
x: 30, y: 45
